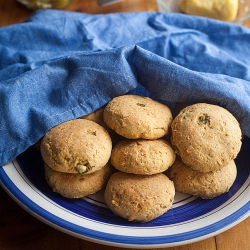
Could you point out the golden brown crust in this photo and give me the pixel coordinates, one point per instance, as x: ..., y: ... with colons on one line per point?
x: 76, y: 146
x: 136, y: 117
x: 205, y: 185
x: 139, y: 197
x: 206, y: 136
x: 76, y: 185
x: 97, y: 116
x: 142, y: 156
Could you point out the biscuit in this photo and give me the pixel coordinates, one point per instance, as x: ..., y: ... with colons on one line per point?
x: 139, y: 197
x: 136, y: 117
x: 141, y: 156
x: 206, y: 136
x: 97, y: 116
x: 77, y: 185
x: 205, y: 185
x: 76, y: 146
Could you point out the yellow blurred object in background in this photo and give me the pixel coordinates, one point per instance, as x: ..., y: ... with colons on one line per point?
x: 45, y: 4
x: 225, y: 10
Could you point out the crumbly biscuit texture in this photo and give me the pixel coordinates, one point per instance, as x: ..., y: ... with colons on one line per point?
x: 207, y: 137
x: 141, y: 156
x: 139, y: 198
x: 97, y: 116
x: 76, y: 185
x: 205, y: 185
x: 76, y: 146
x: 135, y: 117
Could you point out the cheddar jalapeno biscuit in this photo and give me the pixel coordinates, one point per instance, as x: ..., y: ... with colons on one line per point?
x: 77, y: 185
x: 136, y: 117
x: 97, y: 116
x: 76, y: 146
x: 207, y: 137
x: 139, y: 197
x: 141, y: 156
x: 205, y: 185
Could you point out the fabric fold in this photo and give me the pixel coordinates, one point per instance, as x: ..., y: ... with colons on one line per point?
x: 72, y: 70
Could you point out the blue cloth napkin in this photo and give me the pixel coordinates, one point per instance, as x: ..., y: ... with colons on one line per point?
x: 58, y: 66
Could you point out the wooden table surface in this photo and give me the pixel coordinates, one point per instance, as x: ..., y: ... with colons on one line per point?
x: 21, y: 231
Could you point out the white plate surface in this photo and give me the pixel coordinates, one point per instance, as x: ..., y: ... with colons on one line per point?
x: 190, y: 220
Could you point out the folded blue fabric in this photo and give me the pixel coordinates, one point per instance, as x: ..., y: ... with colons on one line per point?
x: 58, y: 66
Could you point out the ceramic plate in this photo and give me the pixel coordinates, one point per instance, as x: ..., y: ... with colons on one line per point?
x: 191, y: 219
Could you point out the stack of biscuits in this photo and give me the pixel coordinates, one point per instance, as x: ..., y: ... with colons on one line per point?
x: 140, y: 156
x: 207, y: 139
x: 76, y: 157
x: 139, y: 191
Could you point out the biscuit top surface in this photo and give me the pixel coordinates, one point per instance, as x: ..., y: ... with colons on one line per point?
x: 137, y: 117
x: 141, y: 156
x: 139, y: 197
x: 206, y: 136
x: 76, y: 146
